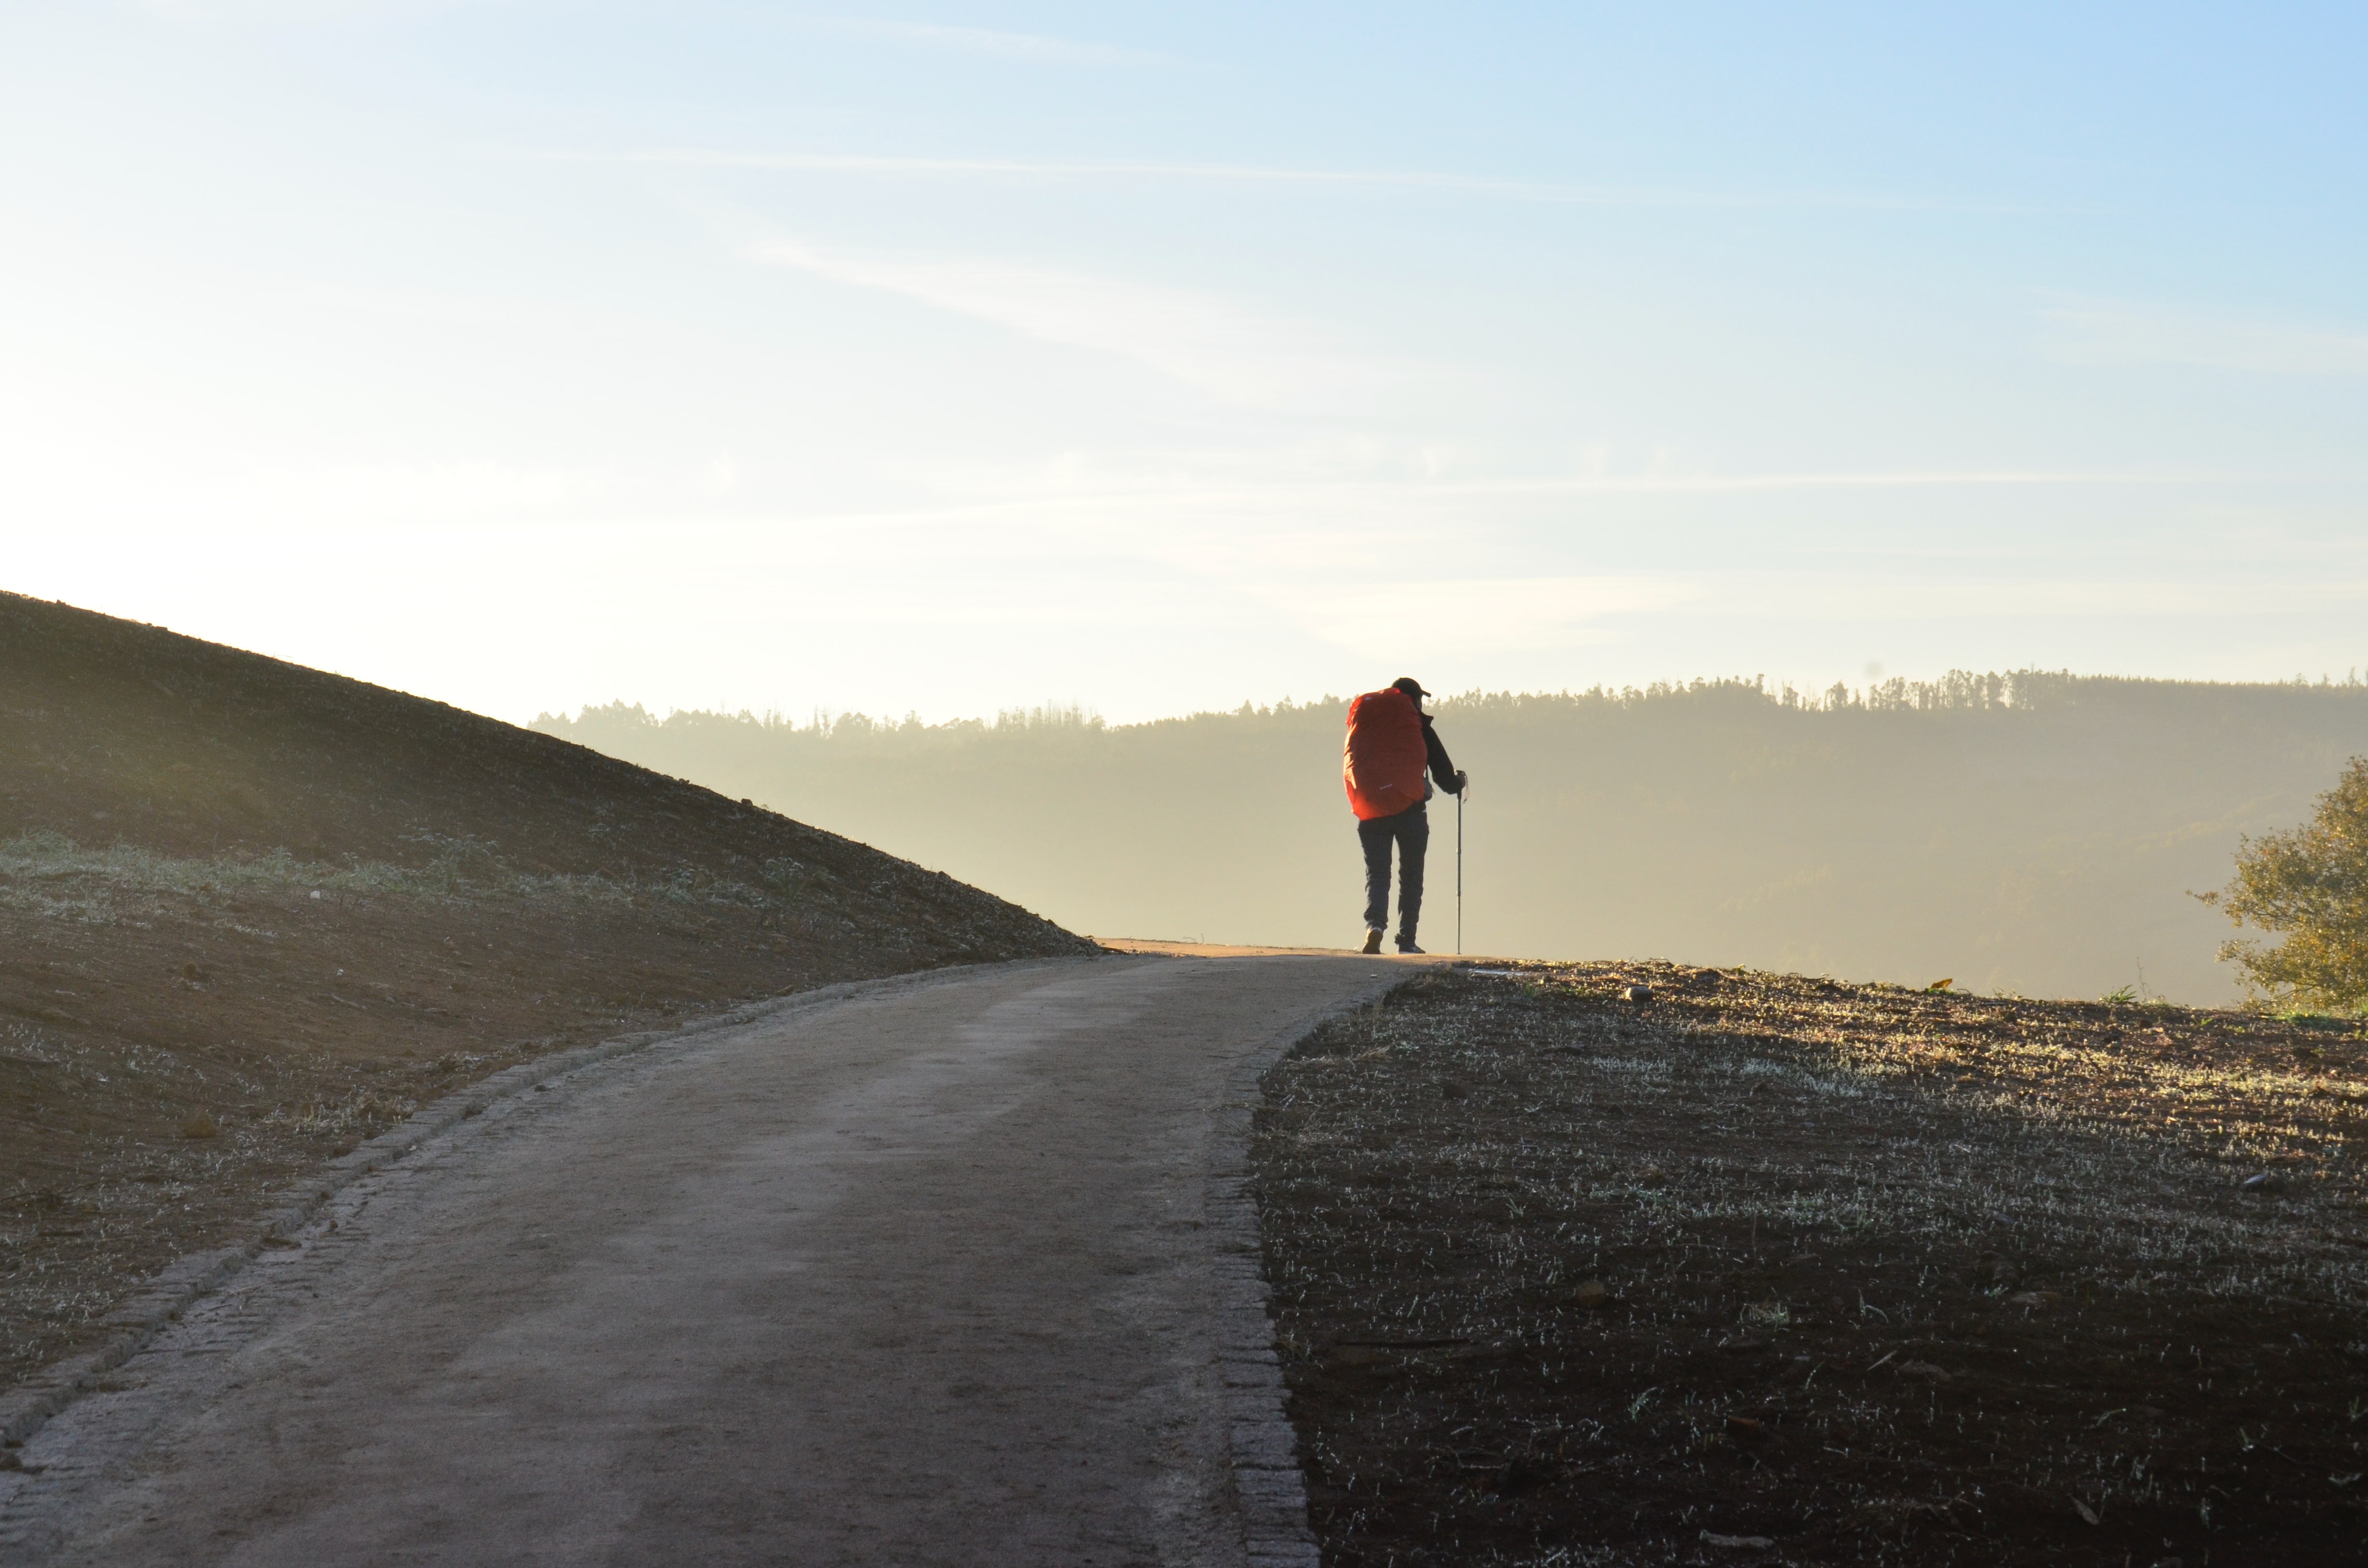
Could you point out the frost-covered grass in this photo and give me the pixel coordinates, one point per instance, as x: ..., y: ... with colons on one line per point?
x: 1883, y: 1276
x: 48, y: 874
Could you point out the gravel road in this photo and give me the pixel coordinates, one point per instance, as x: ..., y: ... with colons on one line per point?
x: 924, y: 1272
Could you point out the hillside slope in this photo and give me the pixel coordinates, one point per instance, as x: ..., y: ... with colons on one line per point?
x: 251, y: 914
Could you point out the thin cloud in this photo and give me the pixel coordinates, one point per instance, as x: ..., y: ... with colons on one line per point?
x: 1366, y: 493
x: 2120, y: 334
x: 1244, y: 174
x: 984, y: 40
x: 1515, y: 615
x: 1714, y: 484
x: 1891, y: 597
x: 1268, y: 518
x: 1495, y: 614
x: 1203, y: 339
x: 297, y: 11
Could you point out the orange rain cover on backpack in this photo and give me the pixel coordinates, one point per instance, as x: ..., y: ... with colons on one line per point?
x: 1384, y: 759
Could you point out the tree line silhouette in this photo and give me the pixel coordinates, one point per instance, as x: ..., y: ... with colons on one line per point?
x: 2028, y: 831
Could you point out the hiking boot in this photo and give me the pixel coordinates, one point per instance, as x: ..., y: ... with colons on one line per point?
x: 1406, y: 944
x: 1373, y: 939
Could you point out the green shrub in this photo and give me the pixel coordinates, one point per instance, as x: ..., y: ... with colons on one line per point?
x: 2312, y: 885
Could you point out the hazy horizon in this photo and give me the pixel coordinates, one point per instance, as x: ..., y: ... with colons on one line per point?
x: 2021, y: 831
x: 822, y: 718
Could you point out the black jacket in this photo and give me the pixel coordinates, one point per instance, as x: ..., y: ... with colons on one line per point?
x: 1441, y: 770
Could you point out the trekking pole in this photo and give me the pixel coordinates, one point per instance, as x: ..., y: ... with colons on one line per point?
x: 1459, y: 873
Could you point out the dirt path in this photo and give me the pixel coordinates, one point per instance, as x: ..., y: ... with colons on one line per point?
x: 921, y: 1275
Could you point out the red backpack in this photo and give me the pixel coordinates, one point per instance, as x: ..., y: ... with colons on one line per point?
x: 1383, y: 760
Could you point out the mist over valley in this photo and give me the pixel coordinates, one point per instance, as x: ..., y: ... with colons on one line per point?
x: 2030, y: 832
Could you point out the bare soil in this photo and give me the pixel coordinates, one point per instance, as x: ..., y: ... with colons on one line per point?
x: 1764, y: 1268
x: 251, y: 914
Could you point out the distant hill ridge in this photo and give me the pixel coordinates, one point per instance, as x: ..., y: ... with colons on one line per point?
x: 2028, y: 829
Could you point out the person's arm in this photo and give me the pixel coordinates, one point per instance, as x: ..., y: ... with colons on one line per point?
x: 1442, y: 771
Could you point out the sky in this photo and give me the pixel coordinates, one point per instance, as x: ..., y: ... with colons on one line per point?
x: 950, y: 357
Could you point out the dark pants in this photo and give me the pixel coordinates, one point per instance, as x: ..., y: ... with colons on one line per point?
x: 1410, y: 831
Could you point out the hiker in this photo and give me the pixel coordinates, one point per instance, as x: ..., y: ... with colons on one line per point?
x: 1391, y: 747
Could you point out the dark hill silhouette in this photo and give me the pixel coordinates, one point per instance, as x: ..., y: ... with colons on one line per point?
x: 119, y: 733
x: 251, y: 913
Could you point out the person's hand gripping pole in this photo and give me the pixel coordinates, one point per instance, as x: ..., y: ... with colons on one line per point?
x: 1463, y: 783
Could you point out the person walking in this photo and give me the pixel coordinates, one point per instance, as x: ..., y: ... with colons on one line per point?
x: 1390, y: 749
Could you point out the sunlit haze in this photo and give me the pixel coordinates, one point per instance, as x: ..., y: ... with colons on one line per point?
x: 1156, y: 358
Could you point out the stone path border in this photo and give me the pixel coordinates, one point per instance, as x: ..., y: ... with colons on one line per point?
x: 1267, y: 1478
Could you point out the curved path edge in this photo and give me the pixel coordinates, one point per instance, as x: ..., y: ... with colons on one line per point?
x: 142, y: 1316
x: 1268, y: 1484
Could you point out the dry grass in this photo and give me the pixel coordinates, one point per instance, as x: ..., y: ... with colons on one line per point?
x: 49, y: 875
x: 1878, y: 1275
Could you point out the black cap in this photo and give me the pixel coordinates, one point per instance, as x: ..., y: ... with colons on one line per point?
x: 1410, y: 685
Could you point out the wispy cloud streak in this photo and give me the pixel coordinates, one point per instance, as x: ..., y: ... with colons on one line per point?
x: 1382, y: 508
x: 1200, y: 338
x: 1242, y: 174
x: 2123, y: 334
x: 985, y: 40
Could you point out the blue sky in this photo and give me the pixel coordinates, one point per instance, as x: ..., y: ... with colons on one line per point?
x: 946, y: 359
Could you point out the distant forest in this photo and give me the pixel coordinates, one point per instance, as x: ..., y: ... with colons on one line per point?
x: 2028, y: 832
